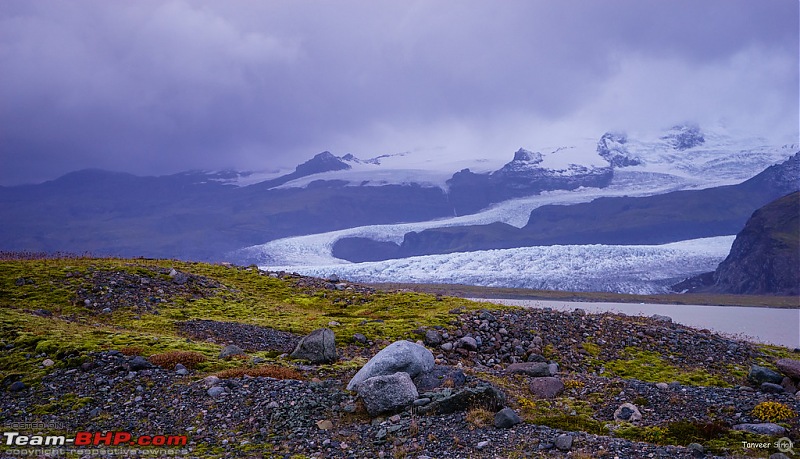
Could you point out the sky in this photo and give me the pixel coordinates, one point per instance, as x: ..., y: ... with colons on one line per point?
x: 157, y: 87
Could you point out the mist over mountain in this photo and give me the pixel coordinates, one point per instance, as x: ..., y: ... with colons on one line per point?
x: 685, y: 183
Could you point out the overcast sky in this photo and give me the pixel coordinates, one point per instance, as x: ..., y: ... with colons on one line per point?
x: 155, y: 87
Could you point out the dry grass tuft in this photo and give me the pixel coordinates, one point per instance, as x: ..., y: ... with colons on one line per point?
x: 168, y: 360
x: 480, y: 417
x: 132, y: 350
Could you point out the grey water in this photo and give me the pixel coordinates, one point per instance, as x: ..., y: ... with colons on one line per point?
x: 763, y: 325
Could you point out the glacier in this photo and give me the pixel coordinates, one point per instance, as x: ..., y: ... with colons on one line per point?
x: 639, y: 269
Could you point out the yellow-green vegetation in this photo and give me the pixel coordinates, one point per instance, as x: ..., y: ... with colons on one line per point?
x: 563, y: 413
x: 591, y: 348
x: 715, y: 437
x: 653, y: 367
x: 773, y: 411
x: 71, y: 329
x: 68, y: 402
x: 572, y: 384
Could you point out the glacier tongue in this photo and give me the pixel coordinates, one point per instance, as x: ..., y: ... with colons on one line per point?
x: 643, y: 269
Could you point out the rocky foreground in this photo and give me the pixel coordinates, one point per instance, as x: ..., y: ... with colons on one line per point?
x: 491, y: 383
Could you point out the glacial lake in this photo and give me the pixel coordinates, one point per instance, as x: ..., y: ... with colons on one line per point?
x: 763, y: 325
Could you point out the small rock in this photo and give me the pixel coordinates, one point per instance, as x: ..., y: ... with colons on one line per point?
x: 182, y: 372
x: 662, y: 386
x: 564, y: 442
x: 433, y: 338
x: 439, y: 376
x: 506, y: 418
x: 106, y: 311
x: 660, y: 318
x: 17, y: 386
x: 447, y: 347
x: 535, y: 369
x: 230, y: 351
x: 48, y: 363
x: 359, y: 338
x: 771, y: 388
x: 766, y: 428
x: 481, y: 445
x: 469, y: 343
x: 553, y: 368
x: 546, y: 387
x: 422, y: 401
x: 216, y: 391
x: 211, y: 381
x: 789, y: 385
x: 138, y: 363
x: 627, y: 412
x: 325, y: 425
x: 697, y: 449
x: 778, y: 456
x: 179, y: 366
x: 334, y: 323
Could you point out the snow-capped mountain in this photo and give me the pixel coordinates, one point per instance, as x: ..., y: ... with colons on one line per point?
x: 682, y: 158
x: 392, y: 204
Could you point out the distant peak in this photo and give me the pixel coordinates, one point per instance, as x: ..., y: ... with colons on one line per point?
x: 685, y: 136
x: 321, y: 162
x: 528, y: 156
x: 612, y: 147
x: 325, y: 155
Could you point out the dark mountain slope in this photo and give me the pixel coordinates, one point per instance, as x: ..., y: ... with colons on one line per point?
x: 647, y: 220
x: 764, y: 258
x: 187, y: 216
x: 321, y: 162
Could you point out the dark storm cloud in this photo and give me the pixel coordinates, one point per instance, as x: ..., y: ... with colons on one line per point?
x: 157, y: 87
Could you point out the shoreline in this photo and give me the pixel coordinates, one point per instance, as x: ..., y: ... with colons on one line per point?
x: 508, y: 293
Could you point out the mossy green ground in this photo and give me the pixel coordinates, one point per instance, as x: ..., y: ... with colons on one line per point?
x: 247, y: 296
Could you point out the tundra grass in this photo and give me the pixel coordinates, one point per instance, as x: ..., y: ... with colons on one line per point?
x: 653, y: 367
x: 67, y: 330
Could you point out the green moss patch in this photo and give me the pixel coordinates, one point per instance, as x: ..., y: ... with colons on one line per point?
x: 653, y: 367
x: 43, y: 316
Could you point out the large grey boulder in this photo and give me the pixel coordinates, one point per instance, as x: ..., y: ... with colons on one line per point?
x: 759, y: 374
x: 789, y: 367
x: 402, y: 356
x: 319, y: 346
x: 387, y: 393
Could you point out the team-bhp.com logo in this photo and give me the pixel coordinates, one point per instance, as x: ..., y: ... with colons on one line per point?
x: 120, y: 438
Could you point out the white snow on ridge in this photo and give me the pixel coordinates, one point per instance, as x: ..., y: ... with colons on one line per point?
x: 643, y: 269
x: 315, y: 249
